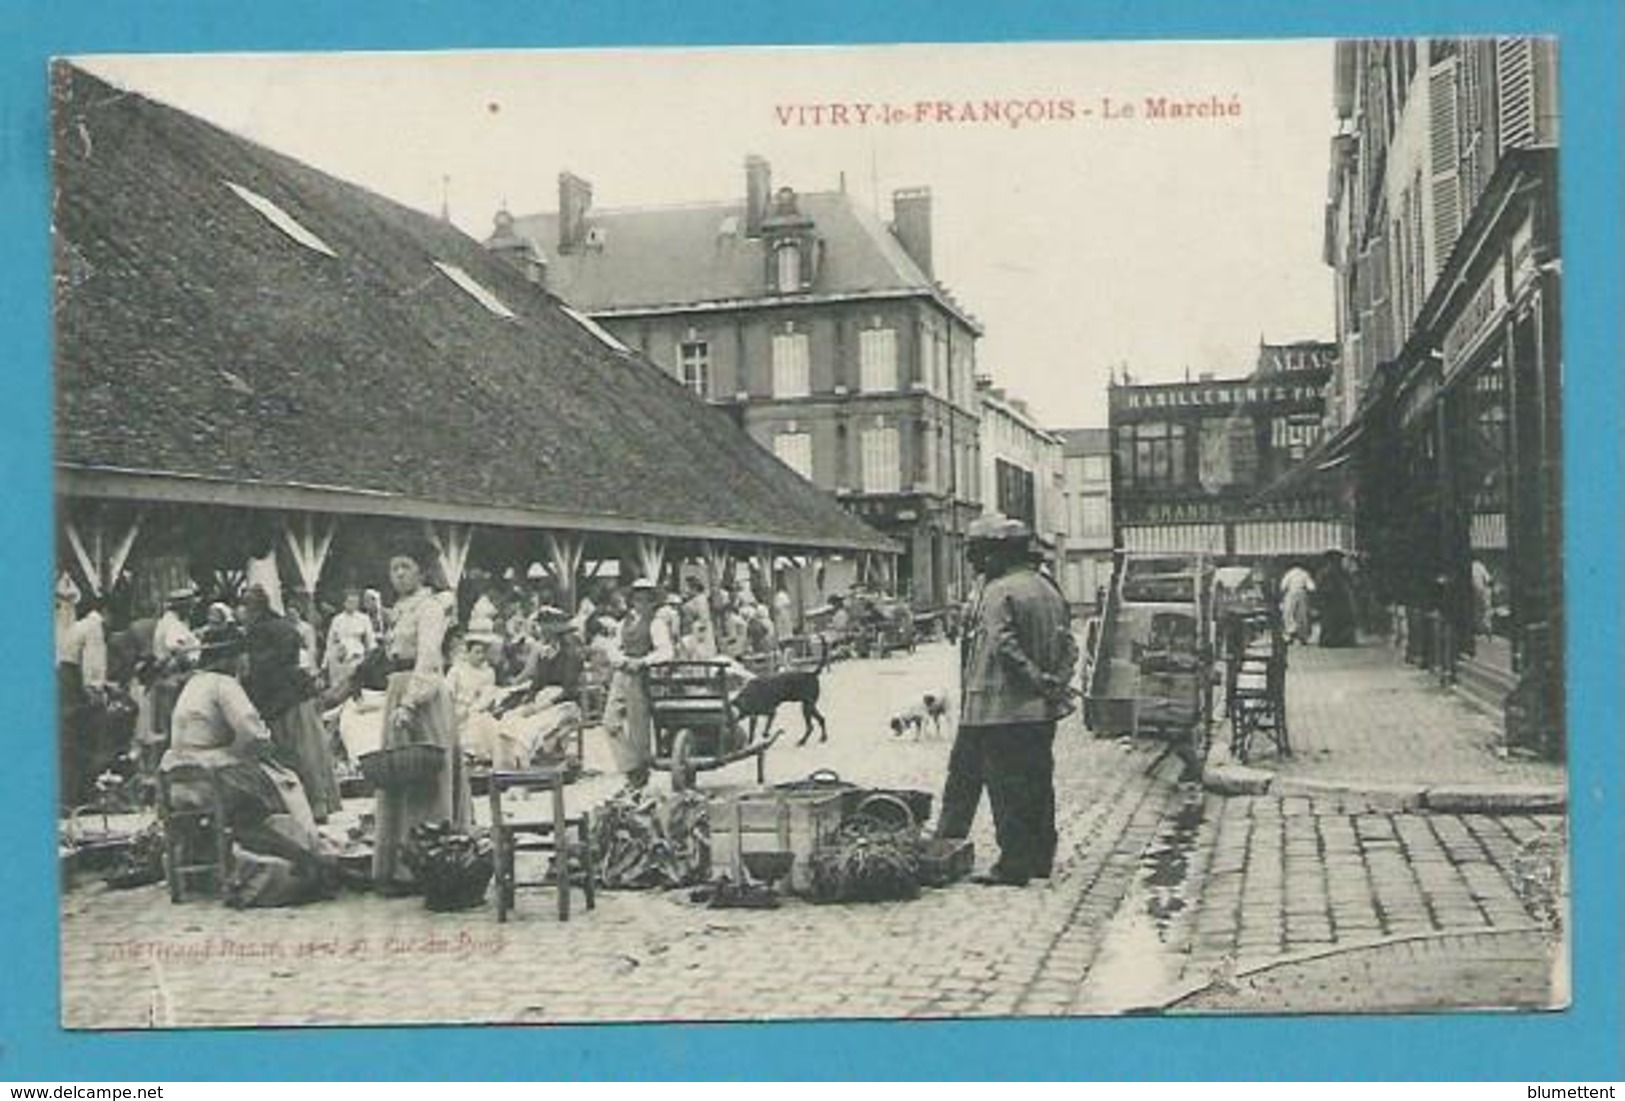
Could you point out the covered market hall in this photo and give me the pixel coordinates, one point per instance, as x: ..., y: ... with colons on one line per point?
x: 267, y: 373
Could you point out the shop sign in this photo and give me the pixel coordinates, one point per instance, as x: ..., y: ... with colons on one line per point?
x: 1479, y: 316
x: 1210, y: 395
x: 1210, y: 512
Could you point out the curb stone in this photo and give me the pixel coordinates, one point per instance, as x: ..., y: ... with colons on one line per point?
x: 1486, y: 799
x: 1396, y: 798
x: 1228, y: 778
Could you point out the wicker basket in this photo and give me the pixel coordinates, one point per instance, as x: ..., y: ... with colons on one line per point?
x: 403, y: 766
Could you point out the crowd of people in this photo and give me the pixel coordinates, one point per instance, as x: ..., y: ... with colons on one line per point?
x: 278, y: 701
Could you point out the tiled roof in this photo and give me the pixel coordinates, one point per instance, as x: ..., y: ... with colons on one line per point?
x: 652, y: 258
x: 197, y: 336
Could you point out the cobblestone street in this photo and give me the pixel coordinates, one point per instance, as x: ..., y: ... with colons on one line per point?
x: 1163, y: 896
x: 130, y: 959
x: 1340, y: 859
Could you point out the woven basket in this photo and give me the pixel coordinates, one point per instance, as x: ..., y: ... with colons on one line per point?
x: 403, y: 766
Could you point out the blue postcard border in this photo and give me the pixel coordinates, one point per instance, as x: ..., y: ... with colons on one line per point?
x: 1582, y: 1043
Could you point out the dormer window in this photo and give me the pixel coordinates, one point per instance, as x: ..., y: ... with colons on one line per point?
x: 787, y: 268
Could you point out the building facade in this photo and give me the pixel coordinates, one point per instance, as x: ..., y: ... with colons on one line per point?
x: 1442, y: 231
x: 1086, y: 505
x: 1021, y: 468
x: 822, y: 331
x: 1191, y: 461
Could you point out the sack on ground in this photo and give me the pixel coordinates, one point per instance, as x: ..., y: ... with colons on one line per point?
x: 262, y: 880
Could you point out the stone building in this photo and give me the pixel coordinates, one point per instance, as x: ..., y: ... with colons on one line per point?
x: 1086, y: 505
x: 823, y: 331
x: 1021, y: 468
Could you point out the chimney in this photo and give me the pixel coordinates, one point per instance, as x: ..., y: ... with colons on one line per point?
x: 911, y: 224
x: 575, y: 199
x: 758, y: 193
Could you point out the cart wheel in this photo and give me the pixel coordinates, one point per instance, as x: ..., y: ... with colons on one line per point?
x: 682, y: 773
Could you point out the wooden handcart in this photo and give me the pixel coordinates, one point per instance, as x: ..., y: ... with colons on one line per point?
x: 694, y: 726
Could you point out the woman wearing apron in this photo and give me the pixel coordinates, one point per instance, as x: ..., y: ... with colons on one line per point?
x: 417, y: 709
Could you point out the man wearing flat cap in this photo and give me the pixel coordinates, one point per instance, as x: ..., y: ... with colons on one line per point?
x: 1017, y: 655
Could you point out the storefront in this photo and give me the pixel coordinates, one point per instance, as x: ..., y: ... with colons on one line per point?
x: 1461, y: 489
x: 1190, y: 459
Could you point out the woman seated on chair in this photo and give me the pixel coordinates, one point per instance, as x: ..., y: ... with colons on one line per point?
x: 515, y: 733
x: 215, y: 727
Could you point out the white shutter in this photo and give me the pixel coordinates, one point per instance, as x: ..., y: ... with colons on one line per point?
x: 1515, y: 92
x: 794, y: 449
x: 1445, y: 142
x: 878, y: 353
x: 790, y: 375
x: 881, y: 473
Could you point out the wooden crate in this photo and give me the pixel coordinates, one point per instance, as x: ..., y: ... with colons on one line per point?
x: 774, y: 821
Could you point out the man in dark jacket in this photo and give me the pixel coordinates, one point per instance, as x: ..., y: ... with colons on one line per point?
x: 1017, y: 657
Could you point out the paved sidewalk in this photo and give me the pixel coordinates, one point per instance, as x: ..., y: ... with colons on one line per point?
x: 1362, y: 716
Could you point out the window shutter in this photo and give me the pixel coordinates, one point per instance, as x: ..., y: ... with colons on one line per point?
x: 1445, y: 143
x: 1476, y: 159
x: 1515, y: 92
x: 808, y: 261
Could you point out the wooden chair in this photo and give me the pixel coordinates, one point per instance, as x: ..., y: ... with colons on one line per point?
x: 572, y: 862
x: 1255, y: 700
x: 195, y: 825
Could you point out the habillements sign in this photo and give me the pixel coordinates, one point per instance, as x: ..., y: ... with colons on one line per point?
x: 1229, y: 395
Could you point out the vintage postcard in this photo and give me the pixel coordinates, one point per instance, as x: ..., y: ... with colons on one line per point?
x: 567, y: 537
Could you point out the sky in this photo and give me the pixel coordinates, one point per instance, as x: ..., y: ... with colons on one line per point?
x: 1083, y: 238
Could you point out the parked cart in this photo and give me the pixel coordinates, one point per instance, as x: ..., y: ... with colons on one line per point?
x: 1152, y: 657
x: 694, y: 725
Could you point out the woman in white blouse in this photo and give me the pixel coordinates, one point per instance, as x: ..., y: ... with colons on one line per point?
x: 417, y: 709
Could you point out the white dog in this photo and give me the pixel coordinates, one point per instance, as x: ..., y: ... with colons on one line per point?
x: 932, y: 708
